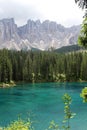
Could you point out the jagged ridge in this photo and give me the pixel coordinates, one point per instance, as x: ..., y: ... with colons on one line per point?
x: 34, y: 34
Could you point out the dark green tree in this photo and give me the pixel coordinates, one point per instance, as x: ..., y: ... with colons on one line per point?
x: 6, y: 70
x: 15, y: 69
x: 27, y: 71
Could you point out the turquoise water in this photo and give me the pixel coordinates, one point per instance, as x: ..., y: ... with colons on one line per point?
x: 43, y: 103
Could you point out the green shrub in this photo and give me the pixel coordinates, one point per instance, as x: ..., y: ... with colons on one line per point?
x: 84, y: 94
x: 19, y: 125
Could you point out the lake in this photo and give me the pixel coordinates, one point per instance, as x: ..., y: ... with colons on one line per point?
x: 42, y: 102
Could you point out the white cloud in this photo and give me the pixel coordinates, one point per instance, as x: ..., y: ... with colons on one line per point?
x: 64, y: 12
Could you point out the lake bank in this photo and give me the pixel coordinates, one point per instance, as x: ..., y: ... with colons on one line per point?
x: 7, y: 85
x: 13, y: 83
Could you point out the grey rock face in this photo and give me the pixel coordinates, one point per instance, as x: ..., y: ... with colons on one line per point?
x: 35, y: 34
x: 8, y: 30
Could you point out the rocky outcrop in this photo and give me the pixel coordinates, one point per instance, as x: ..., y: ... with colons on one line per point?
x: 34, y: 34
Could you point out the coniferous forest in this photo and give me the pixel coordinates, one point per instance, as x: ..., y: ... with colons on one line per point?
x: 35, y: 66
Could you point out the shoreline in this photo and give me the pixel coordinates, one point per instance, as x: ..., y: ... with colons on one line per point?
x: 13, y: 84
x: 7, y: 85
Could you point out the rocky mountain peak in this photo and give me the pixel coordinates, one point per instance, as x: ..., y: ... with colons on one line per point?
x: 35, y: 34
x: 8, y: 30
x: 7, y: 21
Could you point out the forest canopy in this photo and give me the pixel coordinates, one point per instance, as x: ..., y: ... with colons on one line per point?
x: 42, y: 66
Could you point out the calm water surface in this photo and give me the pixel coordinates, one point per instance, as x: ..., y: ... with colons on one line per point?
x: 43, y: 103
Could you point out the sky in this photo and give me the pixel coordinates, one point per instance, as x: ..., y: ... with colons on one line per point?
x: 64, y: 12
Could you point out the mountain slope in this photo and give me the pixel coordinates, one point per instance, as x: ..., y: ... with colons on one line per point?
x: 34, y: 34
x: 67, y: 49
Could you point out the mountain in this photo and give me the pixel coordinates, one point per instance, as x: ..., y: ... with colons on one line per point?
x: 36, y: 35
x: 67, y: 49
